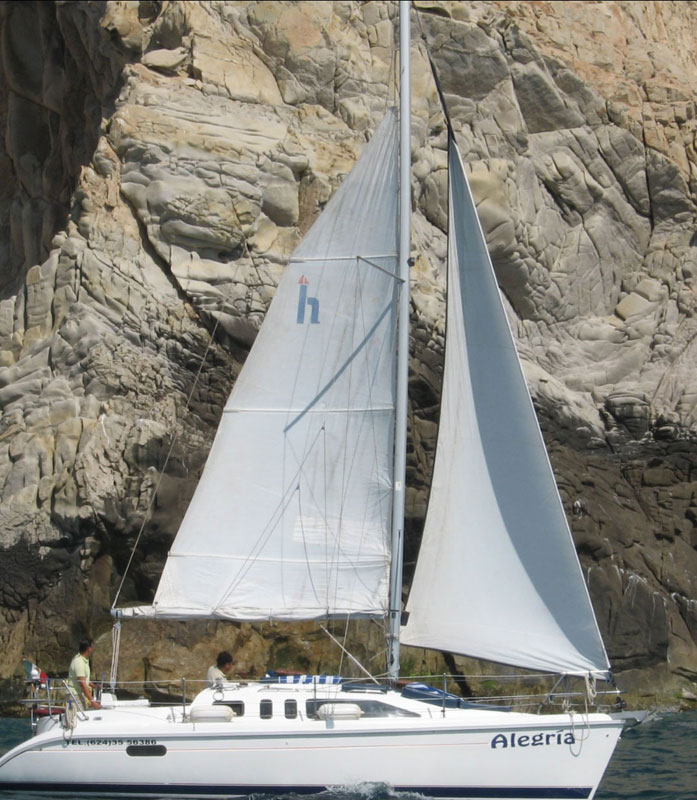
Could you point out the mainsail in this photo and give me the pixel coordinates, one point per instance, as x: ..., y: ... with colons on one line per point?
x: 291, y: 517
x: 497, y: 577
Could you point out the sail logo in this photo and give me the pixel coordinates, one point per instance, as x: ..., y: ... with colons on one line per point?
x: 304, y: 301
x: 504, y: 740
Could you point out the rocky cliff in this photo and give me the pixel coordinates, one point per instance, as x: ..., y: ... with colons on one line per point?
x: 160, y: 160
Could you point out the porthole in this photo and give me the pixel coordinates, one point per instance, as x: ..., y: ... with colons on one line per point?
x: 291, y: 709
x: 266, y: 709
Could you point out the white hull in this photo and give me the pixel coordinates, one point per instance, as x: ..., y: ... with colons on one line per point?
x: 466, y: 753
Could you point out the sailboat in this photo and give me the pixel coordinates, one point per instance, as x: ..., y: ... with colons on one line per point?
x: 299, y: 514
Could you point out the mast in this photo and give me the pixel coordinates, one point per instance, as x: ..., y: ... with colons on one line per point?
x: 400, y: 449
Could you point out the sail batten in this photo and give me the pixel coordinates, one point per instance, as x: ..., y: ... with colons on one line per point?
x: 295, y: 499
x: 330, y: 259
x: 286, y: 411
x: 496, y: 542
x: 261, y: 559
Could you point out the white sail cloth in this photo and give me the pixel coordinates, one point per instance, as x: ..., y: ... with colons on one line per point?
x: 291, y: 517
x: 497, y: 577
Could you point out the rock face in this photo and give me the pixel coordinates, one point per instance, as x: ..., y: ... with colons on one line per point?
x: 159, y: 162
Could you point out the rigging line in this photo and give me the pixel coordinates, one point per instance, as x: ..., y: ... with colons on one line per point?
x: 186, y: 408
x: 307, y: 555
x: 257, y: 548
x: 380, y: 624
x: 290, y: 128
x: 247, y: 250
x: 393, y: 83
x: 326, y: 275
x: 275, y: 517
x: 398, y: 288
x: 434, y: 72
x: 153, y: 495
x: 335, y: 324
x: 353, y: 658
x: 303, y: 345
x: 294, y: 120
x: 359, y: 261
x: 361, y: 345
x: 348, y: 257
x: 348, y: 466
x: 390, y: 84
x: 337, y: 284
x: 340, y: 671
x: 358, y: 305
x: 346, y: 627
x: 352, y: 559
x: 451, y: 138
x: 394, y: 275
x: 338, y: 549
x: 325, y: 478
x: 115, y: 650
x: 347, y: 558
x: 357, y: 257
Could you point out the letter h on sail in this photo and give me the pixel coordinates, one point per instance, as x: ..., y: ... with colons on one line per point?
x: 304, y: 301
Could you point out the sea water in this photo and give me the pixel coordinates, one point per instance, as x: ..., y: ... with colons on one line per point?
x: 653, y: 761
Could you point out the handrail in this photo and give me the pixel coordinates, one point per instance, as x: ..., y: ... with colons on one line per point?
x: 50, y: 698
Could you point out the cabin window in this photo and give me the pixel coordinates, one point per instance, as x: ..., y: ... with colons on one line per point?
x: 291, y: 709
x: 236, y: 705
x: 146, y: 750
x: 266, y: 709
x: 370, y: 708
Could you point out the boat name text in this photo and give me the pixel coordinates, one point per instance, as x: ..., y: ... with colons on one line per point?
x: 534, y: 740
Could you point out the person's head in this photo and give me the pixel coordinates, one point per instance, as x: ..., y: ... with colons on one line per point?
x: 85, y: 646
x: 224, y: 661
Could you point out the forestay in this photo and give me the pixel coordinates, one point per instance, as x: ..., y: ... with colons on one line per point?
x: 291, y: 516
x: 498, y: 577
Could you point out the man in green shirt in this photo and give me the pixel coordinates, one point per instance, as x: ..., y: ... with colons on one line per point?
x: 79, y: 674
